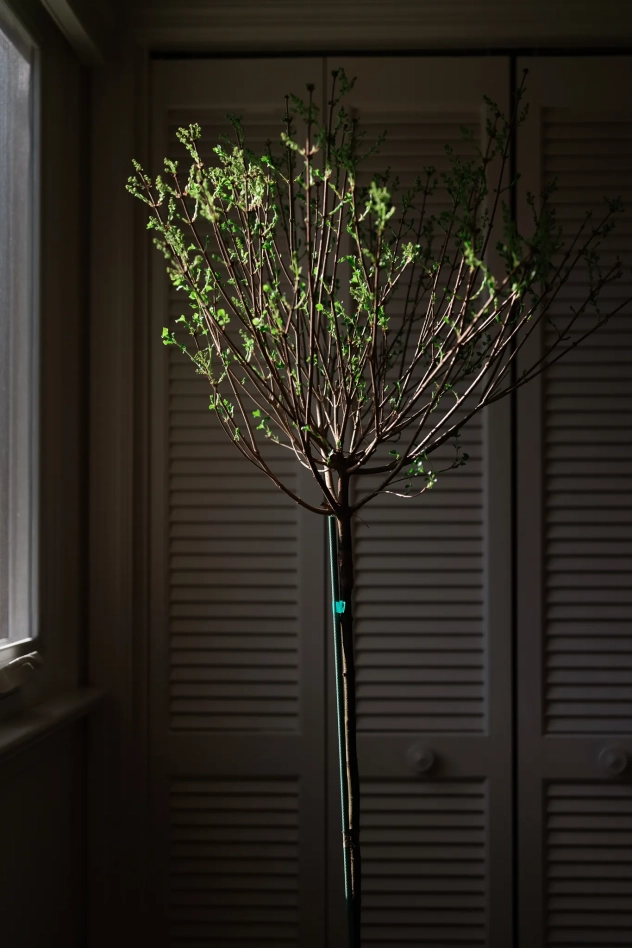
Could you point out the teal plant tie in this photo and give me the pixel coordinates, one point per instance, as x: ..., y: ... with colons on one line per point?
x: 339, y: 606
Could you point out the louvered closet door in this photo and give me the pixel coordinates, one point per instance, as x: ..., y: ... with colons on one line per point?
x: 575, y: 541
x: 238, y: 613
x: 432, y: 611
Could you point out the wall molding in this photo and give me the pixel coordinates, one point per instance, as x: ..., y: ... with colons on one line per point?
x: 88, y: 25
x: 118, y: 551
x: 280, y: 25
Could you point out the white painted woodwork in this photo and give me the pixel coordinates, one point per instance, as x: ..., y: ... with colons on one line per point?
x: 234, y: 569
x: 434, y: 650
x: 420, y: 583
x: 89, y: 27
x: 253, y: 768
x: 235, y: 861
x: 241, y: 25
x: 238, y: 605
x: 425, y: 862
x: 575, y: 503
x: 588, y: 865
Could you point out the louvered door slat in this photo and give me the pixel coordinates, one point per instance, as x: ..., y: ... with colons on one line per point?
x: 425, y: 863
x: 589, y: 607
x: 419, y: 589
x: 589, y: 877
x: 234, y: 862
x: 237, y: 611
x: 419, y: 605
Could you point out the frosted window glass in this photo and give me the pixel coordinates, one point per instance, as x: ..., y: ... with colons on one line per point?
x: 16, y: 340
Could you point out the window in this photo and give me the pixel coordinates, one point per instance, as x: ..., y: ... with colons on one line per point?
x: 18, y: 332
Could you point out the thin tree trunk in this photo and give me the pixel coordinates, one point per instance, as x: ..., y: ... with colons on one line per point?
x: 346, y: 581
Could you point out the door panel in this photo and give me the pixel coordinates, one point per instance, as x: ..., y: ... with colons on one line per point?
x: 574, y: 549
x: 432, y: 609
x: 238, y: 614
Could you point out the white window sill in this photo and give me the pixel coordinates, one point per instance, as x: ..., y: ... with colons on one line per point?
x: 39, y: 722
x: 11, y: 650
x: 14, y: 674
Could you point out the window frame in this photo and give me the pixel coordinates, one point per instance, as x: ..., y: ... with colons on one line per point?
x: 12, y: 648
